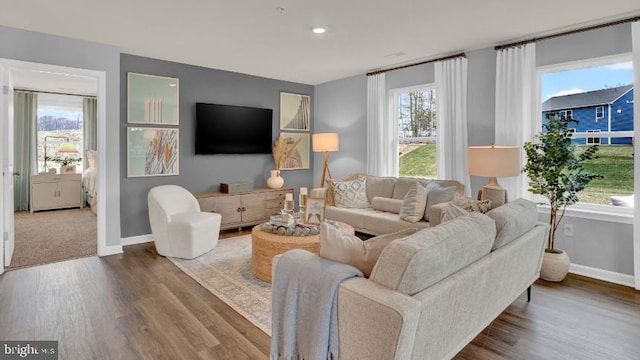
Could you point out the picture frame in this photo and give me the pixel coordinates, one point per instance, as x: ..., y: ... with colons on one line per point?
x: 301, y: 158
x: 152, y: 151
x: 295, y: 112
x: 152, y: 99
x: 314, y: 211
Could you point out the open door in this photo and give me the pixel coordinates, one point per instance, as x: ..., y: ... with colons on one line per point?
x: 6, y: 126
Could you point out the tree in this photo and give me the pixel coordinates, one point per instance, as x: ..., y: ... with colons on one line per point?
x: 555, y: 170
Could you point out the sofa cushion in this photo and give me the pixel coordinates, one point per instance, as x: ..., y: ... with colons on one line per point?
x: 349, y: 249
x: 380, y: 186
x: 413, y: 204
x: 386, y: 204
x: 452, y: 212
x: 512, y: 220
x: 403, y: 184
x: 414, y: 263
x: 437, y: 194
x: 353, y: 217
x: 351, y: 193
x: 381, y: 222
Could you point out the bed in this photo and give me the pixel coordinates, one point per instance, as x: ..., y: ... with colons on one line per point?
x: 90, y: 181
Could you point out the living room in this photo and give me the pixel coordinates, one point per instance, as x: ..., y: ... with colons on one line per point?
x: 337, y: 106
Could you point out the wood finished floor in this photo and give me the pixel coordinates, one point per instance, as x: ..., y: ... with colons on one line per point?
x: 138, y: 305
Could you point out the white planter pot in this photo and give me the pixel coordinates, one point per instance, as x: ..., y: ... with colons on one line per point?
x: 275, y: 181
x: 555, y: 265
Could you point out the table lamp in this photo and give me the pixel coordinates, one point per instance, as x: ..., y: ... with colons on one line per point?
x: 325, y: 142
x: 493, y: 161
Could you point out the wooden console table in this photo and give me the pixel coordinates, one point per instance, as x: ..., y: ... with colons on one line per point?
x: 243, y: 209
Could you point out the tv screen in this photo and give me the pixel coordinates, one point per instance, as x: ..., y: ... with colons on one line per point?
x: 228, y: 129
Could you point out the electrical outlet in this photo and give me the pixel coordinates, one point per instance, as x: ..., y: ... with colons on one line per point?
x: 568, y: 229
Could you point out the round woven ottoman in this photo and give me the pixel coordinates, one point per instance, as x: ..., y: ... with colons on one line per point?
x: 266, y: 245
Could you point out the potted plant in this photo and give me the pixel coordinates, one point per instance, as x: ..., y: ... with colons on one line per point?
x: 67, y: 163
x: 556, y: 171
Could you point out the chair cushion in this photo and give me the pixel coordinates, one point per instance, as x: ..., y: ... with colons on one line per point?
x: 418, y: 261
x: 380, y: 186
x: 452, y: 212
x: 413, y: 204
x: 512, y: 220
x: 349, y: 249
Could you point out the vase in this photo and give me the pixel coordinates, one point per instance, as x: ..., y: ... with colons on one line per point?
x: 555, y: 265
x: 275, y: 181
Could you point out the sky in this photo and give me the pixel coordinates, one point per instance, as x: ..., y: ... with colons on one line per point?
x: 586, y: 79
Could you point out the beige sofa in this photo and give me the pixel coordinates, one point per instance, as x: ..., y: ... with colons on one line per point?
x: 432, y: 292
x: 377, y: 220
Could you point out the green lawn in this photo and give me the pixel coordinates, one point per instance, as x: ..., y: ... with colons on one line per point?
x: 614, y: 162
x: 419, y: 162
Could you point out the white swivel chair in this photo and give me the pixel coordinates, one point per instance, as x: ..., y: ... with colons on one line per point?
x: 178, y: 226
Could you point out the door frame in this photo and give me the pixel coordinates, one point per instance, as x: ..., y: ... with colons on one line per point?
x: 101, y: 77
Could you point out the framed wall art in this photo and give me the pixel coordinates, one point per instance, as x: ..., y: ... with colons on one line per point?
x: 152, y: 99
x: 295, y: 110
x: 152, y: 151
x: 300, y: 157
x: 314, y: 212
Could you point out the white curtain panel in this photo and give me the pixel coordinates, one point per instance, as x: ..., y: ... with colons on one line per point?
x: 451, y: 93
x: 516, y: 121
x: 382, y: 134
x: 635, y: 36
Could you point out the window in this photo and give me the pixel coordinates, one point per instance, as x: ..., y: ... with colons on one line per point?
x: 593, y: 140
x: 415, y: 113
x: 567, y: 114
x: 596, y: 87
x: 59, y: 121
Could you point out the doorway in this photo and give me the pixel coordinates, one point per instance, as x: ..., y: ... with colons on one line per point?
x: 71, y: 81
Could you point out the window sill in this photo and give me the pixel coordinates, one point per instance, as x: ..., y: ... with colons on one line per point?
x: 607, y: 213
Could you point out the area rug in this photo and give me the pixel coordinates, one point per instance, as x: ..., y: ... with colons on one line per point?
x: 50, y: 236
x: 226, y: 273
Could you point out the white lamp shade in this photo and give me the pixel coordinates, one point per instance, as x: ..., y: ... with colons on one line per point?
x: 493, y: 160
x: 325, y: 142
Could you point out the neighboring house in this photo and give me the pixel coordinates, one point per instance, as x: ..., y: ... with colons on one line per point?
x: 596, y: 111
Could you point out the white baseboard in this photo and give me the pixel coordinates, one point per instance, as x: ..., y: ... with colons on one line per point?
x: 133, y: 240
x: 110, y: 250
x: 605, y: 275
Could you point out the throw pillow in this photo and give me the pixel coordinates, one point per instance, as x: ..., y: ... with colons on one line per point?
x: 453, y: 212
x: 413, y: 204
x: 472, y: 205
x: 386, y: 204
x: 350, y: 194
x: 349, y: 249
x: 437, y: 194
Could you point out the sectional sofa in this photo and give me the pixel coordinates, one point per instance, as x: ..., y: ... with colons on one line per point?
x: 380, y: 214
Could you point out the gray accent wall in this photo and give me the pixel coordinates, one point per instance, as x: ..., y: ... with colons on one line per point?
x: 598, y: 244
x: 49, y: 49
x: 341, y: 107
x: 203, y: 173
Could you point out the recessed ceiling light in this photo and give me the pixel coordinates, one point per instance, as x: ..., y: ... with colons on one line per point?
x: 319, y: 29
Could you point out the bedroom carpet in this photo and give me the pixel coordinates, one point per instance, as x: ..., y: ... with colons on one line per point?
x: 50, y: 236
x: 226, y: 272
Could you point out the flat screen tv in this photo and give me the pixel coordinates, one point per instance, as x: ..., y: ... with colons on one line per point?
x: 228, y: 129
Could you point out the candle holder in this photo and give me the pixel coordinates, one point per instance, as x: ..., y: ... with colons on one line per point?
x: 302, y: 199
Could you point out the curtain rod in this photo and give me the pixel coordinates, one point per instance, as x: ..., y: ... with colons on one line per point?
x: 462, y: 54
x: 564, y: 33
x: 53, y: 92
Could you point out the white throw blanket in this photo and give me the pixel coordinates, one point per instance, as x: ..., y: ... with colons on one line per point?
x: 305, y: 307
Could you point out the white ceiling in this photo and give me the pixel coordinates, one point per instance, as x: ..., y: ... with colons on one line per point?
x: 54, y: 82
x: 254, y: 37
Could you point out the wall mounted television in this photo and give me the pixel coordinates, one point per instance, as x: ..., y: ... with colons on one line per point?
x: 228, y: 129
